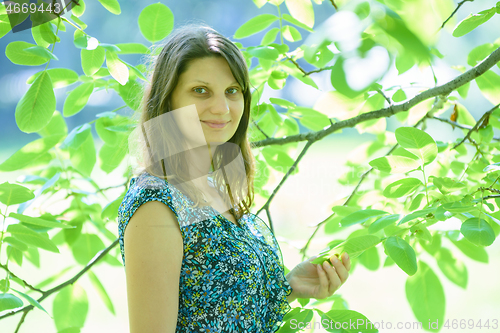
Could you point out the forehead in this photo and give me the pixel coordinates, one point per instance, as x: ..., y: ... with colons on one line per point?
x: 208, y: 69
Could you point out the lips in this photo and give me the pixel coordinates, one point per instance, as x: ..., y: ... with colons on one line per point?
x: 215, y: 123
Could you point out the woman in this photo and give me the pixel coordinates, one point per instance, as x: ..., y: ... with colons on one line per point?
x: 189, y: 267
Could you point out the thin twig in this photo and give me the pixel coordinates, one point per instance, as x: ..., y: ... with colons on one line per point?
x: 363, y: 177
x: 386, y: 98
x: 260, y: 129
x: 478, y: 123
x: 292, y: 168
x: 15, y: 276
x: 456, y: 9
x: 335, y: 6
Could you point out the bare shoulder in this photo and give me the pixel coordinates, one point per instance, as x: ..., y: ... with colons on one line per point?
x: 153, y: 252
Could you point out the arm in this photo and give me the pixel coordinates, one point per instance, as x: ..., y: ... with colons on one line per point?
x: 154, y: 252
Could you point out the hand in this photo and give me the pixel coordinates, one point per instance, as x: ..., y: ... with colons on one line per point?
x: 318, y: 281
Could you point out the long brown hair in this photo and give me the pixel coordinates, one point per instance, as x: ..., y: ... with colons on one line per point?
x: 185, y: 44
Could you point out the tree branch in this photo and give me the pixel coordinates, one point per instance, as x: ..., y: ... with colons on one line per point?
x: 47, y: 293
x: 17, y: 277
x: 444, y: 90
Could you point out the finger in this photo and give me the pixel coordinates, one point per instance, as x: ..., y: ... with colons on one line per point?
x: 339, y: 267
x: 333, y: 278
x: 323, y: 280
x: 346, y: 261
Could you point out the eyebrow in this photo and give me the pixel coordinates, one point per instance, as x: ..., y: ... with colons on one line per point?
x: 235, y: 82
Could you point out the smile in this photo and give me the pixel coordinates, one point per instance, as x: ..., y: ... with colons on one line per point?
x: 215, y: 125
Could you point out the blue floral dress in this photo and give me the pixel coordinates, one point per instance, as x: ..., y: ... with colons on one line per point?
x: 232, y: 277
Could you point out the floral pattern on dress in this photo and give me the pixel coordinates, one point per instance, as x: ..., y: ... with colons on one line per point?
x: 232, y: 277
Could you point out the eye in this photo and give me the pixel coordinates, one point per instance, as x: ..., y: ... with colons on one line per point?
x: 197, y: 90
x: 233, y: 91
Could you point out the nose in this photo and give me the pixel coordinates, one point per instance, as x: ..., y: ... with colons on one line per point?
x: 220, y: 104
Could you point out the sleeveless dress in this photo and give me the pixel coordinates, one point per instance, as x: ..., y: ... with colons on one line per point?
x: 232, y: 278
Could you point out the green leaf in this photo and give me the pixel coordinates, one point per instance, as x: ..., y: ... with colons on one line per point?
x: 361, y: 217
x: 111, y: 157
x: 264, y: 52
x: 31, y: 237
x: 472, y: 251
x: 413, y: 48
x: 282, y: 102
x: 278, y: 159
x: 394, y: 164
x: 86, y: 247
x: 477, y: 54
x: 16, y: 243
x: 418, y: 143
x: 291, y: 33
x: 478, y: 231
x: 356, y: 245
x: 79, y: 9
x: 156, y: 21
x: 76, y: 137
x: 16, y: 52
x: 452, y: 268
x: 101, y: 291
x: 55, y: 127
x: 434, y: 245
x: 362, y: 10
x: 84, y: 158
x: 417, y: 214
x: 61, y: 77
x: 113, y: 6
x: 254, y: 25
x: 41, y: 52
x: 31, y: 301
x: 92, y: 60
x: 345, y: 319
x: 399, y: 96
x: 259, y: 3
x: 9, y: 301
x: 302, y: 10
x: 111, y: 210
x: 29, y: 154
x: 402, y: 254
x: 383, y: 222
x: 402, y: 187
x: 70, y: 307
x: 292, y: 20
x: 270, y: 36
x: 472, y: 21
x: 34, y: 110
x: 446, y: 185
x: 489, y: 84
x: 117, y: 69
x: 77, y: 99
x: 13, y: 194
x: 39, y: 221
x: 370, y: 259
x: 426, y: 295
x: 132, y: 48
x: 339, y: 81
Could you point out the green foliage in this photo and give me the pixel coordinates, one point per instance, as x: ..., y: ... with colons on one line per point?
x: 419, y: 182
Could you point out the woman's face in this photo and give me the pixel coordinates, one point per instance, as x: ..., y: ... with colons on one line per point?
x: 208, y: 85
